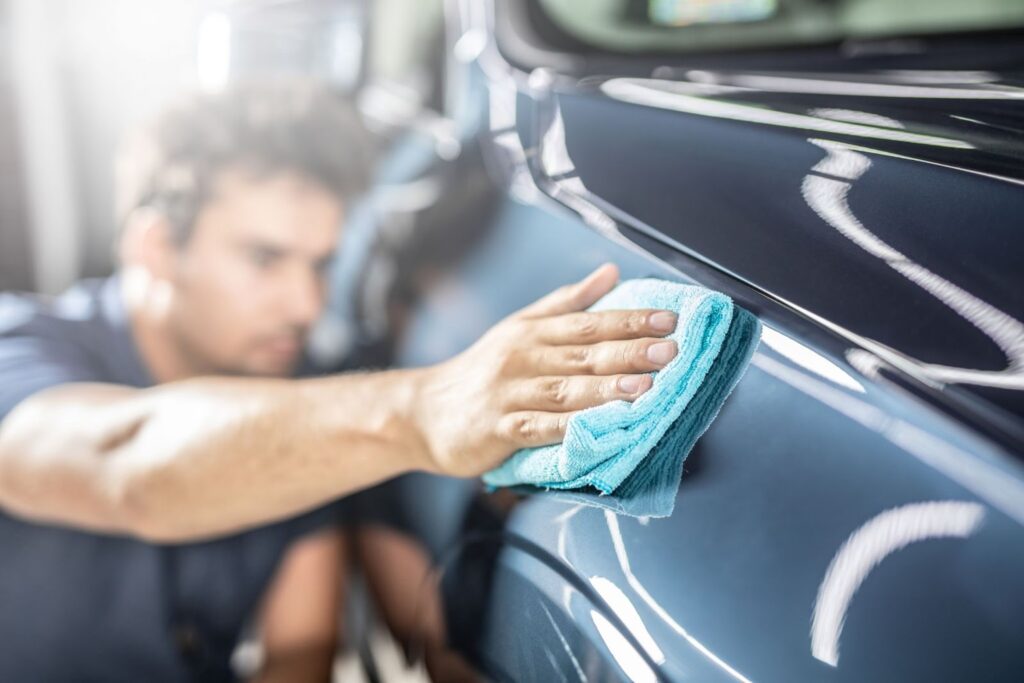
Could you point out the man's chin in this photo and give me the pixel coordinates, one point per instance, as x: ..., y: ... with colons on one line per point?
x: 271, y: 366
x: 274, y: 359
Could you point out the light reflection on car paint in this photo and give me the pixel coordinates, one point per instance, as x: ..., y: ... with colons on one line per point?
x: 980, y: 476
x: 665, y: 95
x: 867, y: 547
x: 935, y: 85
x: 827, y: 197
x: 825, y: 190
x: 626, y: 611
x: 567, y: 187
x: 852, y: 116
x: 624, y: 654
x: 615, y: 532
x: 565, y: 644
x: 809, y: 359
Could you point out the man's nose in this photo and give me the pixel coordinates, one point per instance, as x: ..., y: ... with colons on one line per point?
x: 305, y: 297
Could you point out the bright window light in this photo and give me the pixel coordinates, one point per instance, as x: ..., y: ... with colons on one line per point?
x: 213, y: 55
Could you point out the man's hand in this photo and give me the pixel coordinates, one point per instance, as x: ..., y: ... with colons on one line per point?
x: 519, y: 384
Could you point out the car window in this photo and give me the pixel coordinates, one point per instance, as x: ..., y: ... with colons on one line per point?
x: 688, y: 25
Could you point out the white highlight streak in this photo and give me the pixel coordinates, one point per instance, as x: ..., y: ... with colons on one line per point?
x: 865, y: 549
x: 828, y: 198
x: 657, y: 94
x: 565, y: 645
x: 620, y: 553
x: 808, y: 359
x: 865, y: 89
x: 632, y: 664
x: 625, y: 610
x: 213, y: 51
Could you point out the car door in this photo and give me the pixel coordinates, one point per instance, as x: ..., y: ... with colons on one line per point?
x: 855, y: 512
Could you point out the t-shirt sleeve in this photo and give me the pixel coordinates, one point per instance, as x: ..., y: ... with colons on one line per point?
x: 30, y: 363
x: 326, y: 516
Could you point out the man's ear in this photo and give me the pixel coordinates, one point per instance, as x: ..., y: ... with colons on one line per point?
x: 147, y: 242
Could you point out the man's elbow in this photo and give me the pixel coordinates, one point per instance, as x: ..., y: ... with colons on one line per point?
x: 104, y: 501
x: 92, y: 478
x: 5, y: 487
x: 16, y: 487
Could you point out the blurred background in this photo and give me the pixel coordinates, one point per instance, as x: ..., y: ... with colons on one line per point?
x: 75, y: 76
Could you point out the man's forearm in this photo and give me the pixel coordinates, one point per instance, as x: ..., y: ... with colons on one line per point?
x: 201, y: 457
x: 264, y: 449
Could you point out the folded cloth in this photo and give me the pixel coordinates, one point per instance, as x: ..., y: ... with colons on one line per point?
x: 651, y: 490
x: 635, y: 449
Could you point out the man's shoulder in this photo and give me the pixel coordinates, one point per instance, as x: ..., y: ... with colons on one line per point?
x: 73, y: 336
x: 35, y: 315
x: 47, y: 341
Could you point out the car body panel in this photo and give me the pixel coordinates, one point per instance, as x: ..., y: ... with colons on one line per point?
x: 856, y: 511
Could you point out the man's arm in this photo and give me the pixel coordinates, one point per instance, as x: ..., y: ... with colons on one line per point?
x: 201, y: 457
x: 298, y: 624
x: 197, y: 458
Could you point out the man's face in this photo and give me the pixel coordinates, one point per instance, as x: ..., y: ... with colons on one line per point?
x: 250, y: 281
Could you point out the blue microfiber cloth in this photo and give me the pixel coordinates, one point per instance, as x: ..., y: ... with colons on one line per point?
x: 628, y: 456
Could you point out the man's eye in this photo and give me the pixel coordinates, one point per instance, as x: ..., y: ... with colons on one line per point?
x: 323, y: 267
x: 263, y: 258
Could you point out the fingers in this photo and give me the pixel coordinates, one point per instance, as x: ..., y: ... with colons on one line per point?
x: 560, y: 394
x: 592, y: 327
x: 533, y: 428
x: 606, y: 358
x: 574, y: 297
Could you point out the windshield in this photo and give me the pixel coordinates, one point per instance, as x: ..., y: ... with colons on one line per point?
x: 687, y: 25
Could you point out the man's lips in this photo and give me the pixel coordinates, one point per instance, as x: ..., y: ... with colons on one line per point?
x: 282, y: 346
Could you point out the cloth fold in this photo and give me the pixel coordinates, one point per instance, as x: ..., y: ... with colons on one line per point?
x: 630, y: 453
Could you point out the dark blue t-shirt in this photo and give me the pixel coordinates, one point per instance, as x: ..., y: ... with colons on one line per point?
x: 79, y: 606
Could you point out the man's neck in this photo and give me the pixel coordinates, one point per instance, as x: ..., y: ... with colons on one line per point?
x: 146, y: 312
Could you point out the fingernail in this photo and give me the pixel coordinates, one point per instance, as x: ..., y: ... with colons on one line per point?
x: 663, y: 321
x: 630, y: 384
x: 662, y: 352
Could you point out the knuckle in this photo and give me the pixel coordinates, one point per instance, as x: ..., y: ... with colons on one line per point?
x: 634, y: 323
x: 523, y: 428
x: 582, y: 359
x: 556, y: 390
x: 585, y: 327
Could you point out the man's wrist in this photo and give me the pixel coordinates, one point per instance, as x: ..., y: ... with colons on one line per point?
x: 411, y: 416
x: 384, y: 406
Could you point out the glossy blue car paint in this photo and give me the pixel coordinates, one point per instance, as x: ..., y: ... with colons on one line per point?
x: 856, y: 511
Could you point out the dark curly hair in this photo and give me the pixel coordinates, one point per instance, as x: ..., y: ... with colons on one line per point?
x: 172, y: 163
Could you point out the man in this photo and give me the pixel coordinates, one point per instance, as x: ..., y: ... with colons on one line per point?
x: 162, y: 475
